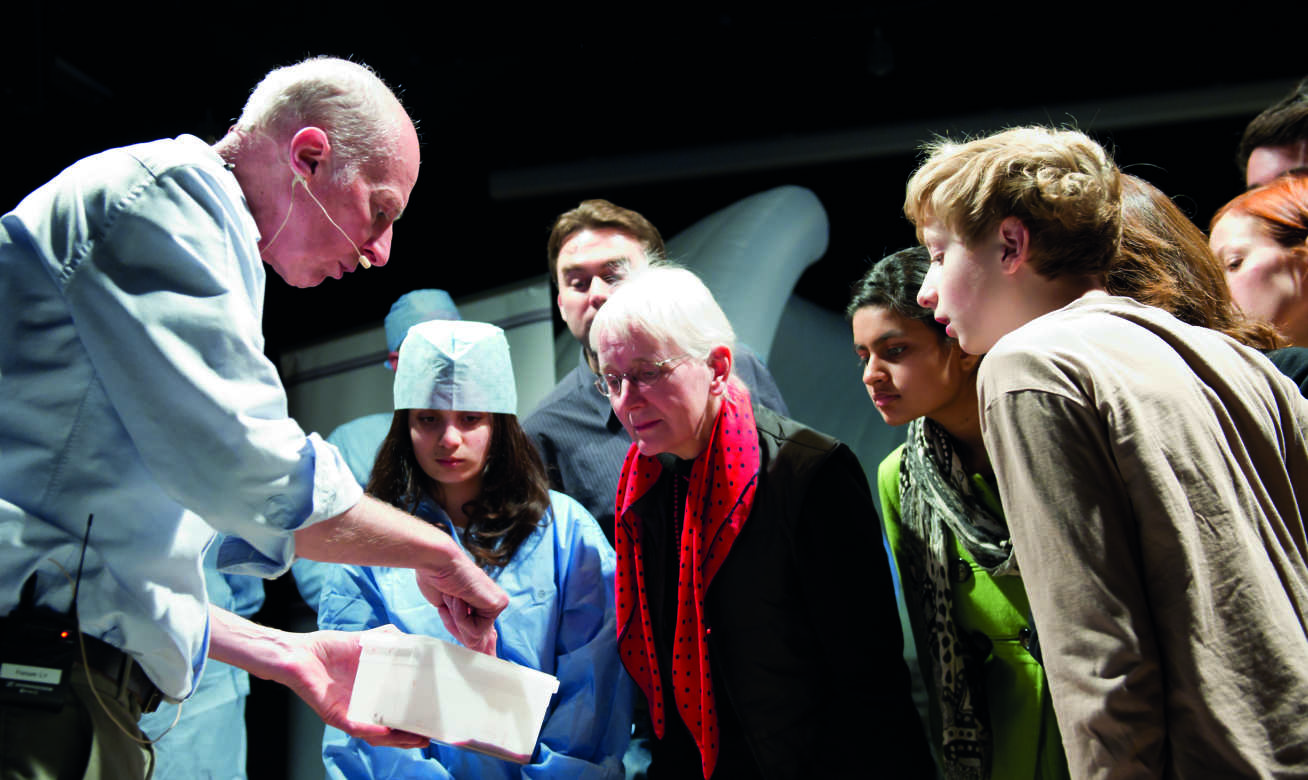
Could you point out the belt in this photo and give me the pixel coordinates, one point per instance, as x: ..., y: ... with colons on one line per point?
x: 124, y: 671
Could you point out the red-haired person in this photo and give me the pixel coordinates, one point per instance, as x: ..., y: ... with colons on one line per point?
x: 1261, y: 237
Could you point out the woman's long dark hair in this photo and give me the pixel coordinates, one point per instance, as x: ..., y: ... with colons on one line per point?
x: 514, y: 491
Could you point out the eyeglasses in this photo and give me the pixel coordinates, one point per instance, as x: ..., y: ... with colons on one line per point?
x: 643, y: 378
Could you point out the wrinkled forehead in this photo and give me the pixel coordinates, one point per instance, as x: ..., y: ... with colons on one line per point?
x: 397, y: 168
x: 620, y: 350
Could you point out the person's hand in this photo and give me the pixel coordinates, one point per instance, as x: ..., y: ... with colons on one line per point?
x: 464, y: 622
x: 468, y: 601
x: 321, y: 671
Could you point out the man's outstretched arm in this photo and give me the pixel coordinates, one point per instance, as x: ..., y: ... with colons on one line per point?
x: 319, y: 666
x: 373, y: 533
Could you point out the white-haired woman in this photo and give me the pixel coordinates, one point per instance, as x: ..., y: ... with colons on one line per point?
x: 746, y: 551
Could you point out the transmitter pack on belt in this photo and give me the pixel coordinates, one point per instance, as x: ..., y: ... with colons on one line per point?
x: 38, y: 646
x: 37, y: 650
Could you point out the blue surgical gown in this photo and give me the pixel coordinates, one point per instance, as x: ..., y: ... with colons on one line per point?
x: 560, y: 620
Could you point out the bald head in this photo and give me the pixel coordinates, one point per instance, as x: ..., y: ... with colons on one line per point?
x: 327, y: 158
x: 358, y: 111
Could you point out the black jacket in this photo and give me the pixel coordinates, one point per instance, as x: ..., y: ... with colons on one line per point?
x: 1293, y: 362
x: 804, y: 635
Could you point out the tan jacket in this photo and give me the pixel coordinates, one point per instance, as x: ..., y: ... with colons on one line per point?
x: 1155, y: 477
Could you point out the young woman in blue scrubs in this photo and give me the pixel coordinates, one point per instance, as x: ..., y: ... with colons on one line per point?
x: 457, y: 457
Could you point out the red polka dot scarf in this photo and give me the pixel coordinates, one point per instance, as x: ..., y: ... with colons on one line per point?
x: 718, y: 501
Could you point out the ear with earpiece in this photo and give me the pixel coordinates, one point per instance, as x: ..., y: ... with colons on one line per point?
x: 309, y: 147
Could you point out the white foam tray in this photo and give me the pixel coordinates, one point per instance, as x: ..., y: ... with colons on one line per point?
x: 451, y: 694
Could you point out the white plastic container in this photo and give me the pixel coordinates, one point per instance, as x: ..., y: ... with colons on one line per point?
x: 440, y: 690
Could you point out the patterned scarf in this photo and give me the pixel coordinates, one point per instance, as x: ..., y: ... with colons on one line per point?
x: 936, y: 497
x: 720, y: 495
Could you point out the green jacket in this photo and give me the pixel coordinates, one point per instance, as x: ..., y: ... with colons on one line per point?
x: 1026, y: 738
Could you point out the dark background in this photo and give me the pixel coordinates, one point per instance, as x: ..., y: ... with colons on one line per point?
x: 673, y: 113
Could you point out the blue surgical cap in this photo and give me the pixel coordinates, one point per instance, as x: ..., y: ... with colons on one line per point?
x: 414, y: 307
x: 455, y: 365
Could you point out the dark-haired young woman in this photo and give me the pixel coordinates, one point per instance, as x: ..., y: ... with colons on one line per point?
x: 457, y: 457
x: 990, y: 711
